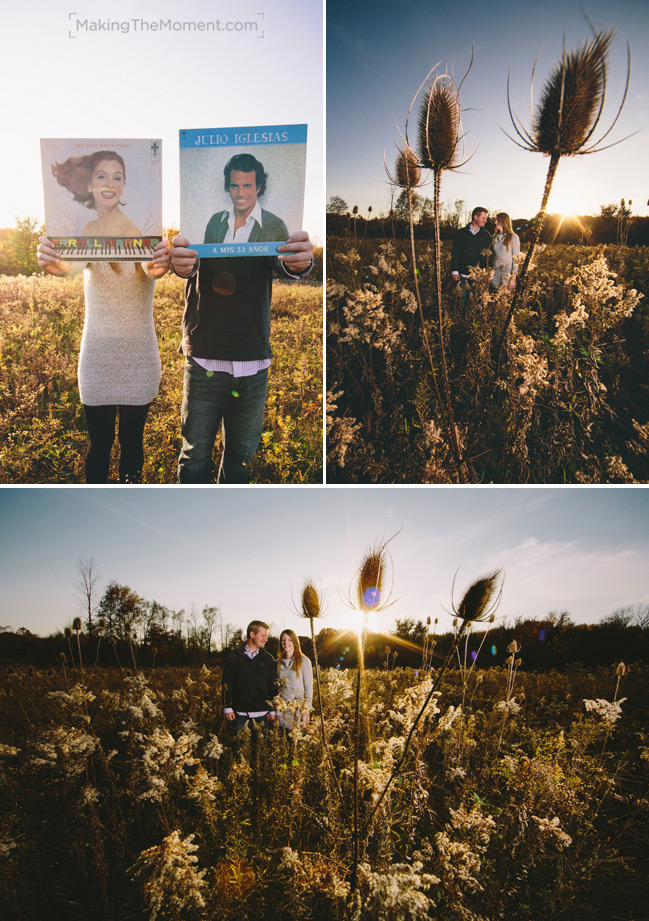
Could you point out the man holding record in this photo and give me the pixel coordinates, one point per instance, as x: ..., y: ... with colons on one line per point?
x: 226, y: 333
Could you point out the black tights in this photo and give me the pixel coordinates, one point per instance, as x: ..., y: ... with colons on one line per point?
x: 100, y: 421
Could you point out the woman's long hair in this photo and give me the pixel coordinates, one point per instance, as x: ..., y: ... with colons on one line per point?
x: 297, y: 652
x: 75, y: 174
x: 506, y: 223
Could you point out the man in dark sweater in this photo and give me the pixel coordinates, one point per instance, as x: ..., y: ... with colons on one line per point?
x: 250, y: 680
x: 226, y: 328
x: 470, y: 248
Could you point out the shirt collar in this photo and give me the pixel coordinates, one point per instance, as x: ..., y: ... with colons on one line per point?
x: 255, y: 214
x: 246, y: 649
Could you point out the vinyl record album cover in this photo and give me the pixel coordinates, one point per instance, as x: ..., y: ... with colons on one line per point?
x: 103, y: 198
x: 241, y: 189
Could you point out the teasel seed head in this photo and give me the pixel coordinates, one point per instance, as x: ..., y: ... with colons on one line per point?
x: 480, y: 597
x: 572, y: 102
x: 440, y: 129
x: 371, y: 578
x: 407, y: 170
x: 68, y: 633
x: 76, y: 625
x: 620, y: 670
x: 311, y: 607
x: 572, y: 98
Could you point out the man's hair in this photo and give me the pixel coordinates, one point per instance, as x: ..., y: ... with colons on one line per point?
x: 246, y: 163
x: 254, y: 627
x: 477, y: 211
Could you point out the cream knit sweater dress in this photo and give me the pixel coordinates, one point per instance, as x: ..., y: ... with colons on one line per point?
x: 504, y: 258
x: 119, y: 361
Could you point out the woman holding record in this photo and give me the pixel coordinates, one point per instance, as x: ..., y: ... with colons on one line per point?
x: 119, y: 361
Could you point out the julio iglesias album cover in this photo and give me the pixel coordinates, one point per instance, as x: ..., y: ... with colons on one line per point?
x: 103, y: 198
x: 241, y: 189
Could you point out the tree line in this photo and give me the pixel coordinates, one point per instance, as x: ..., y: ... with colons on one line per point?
x: 128, y: 631
x: 614, y: 224
x: 18, y: 249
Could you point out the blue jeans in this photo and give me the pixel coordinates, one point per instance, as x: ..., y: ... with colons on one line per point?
x: 212, y: 399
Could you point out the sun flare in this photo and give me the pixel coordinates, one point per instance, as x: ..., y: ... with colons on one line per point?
x: 565, y: 203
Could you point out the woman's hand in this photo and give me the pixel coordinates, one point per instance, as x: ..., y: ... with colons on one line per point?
x: 48, y: 259
x: 306, y: 717
x: 159, y: 265
x: 512, y: 282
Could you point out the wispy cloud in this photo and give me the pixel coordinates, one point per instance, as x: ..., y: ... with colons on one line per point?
x: 172, y: 534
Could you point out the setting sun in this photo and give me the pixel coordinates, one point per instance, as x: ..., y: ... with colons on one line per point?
x: 565, y: 203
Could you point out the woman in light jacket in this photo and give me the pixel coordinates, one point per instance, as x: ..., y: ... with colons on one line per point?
x: 295, y: 678
x: 505, y: 246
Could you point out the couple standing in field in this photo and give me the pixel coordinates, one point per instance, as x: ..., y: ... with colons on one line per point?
x: 472, y: 244
x: 226, y: 328
x: 252, y: 679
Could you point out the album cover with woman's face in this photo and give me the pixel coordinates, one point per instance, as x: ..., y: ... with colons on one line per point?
x: 241, y: 189
x: 103, y: 198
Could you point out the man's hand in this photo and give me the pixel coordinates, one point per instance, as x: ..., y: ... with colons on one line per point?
x: 183, y: 259
x: 271, y: 717
x: 298, y: 251
x: 159, y: 265
x: 231, y: 715
x: 48, y: 259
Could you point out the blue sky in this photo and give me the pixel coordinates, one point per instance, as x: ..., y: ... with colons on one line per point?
x: 64, y: 81
x: 579, y: 549
x: 379, y: 52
